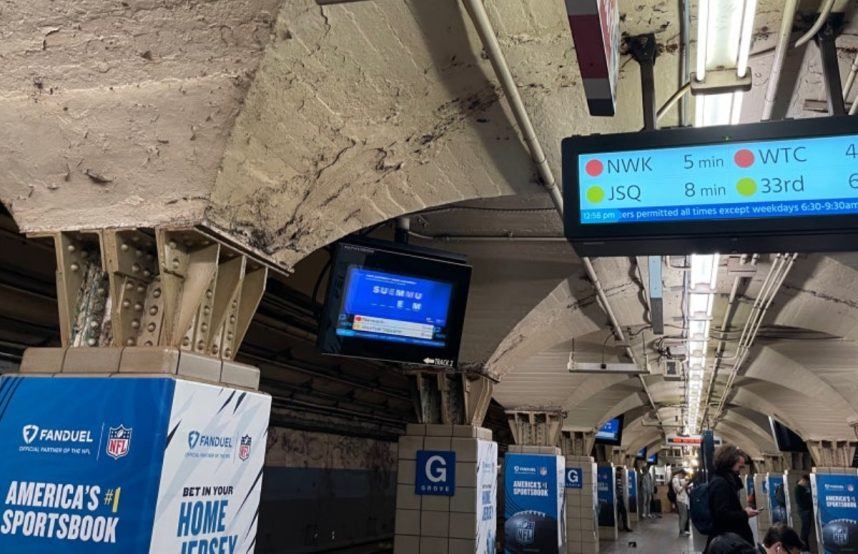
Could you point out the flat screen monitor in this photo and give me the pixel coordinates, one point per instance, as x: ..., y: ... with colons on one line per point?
x: 733, y: 188
x: 785, y: 439
x: 611, y: 432
x: 394, y: 302
x: 641, y: 455
x: 652, y: 459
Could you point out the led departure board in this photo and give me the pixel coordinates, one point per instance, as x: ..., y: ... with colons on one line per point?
x: 730, y: 188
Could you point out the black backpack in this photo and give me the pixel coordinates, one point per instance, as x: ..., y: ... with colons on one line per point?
x: 701, y: 513
x: 671, y: 494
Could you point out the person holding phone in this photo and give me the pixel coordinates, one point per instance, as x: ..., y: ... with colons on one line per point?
x: 728, y: 516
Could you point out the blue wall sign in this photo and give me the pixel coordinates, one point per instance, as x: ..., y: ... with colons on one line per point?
x: 633, y: 491
x: 777, y: 498
x: 534, y: 504
x: 605, y: 494
x: 764, y: 179
x: 574, y: 478
x: 436, y: 473
x: 836, y: 501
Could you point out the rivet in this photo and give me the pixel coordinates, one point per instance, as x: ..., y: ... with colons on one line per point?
x: 209, y: 293
x: 232, y: 319
x: 229, y: 336
x: 171, y: 244
x: 135, y: 268
x: 151, y: 327
x: 148, y: 343
x: 130, y: 342
x: 207, y: 310
x: 175, y: 263
x: 129, y: 285
x: 135, y: 324
x: 124, y: 247
x: 93, y: 324
x: 138, y: 252
x: 156, y: 293
x: 75, y: 267
x: 204, y: 327
x: 91, y: 342
x: 201, y: 345
x: 100, y: 291
x: 214, y: 349
x: 84, y: 254
x: 153, y: 310
x: 227, y: 353
x: 140, y: 288
x: 71, y: 248
x: 146, y: 273
x: 186, y: 341
x: 138, y: 306
x: 126, y: 303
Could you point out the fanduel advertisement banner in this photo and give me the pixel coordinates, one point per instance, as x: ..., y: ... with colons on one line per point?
x: 605, y: 495
x: 633, y: 491
x: 534, y: 504
x: 776, y: 483
x: 835, y: 499
x: 136, y: 465
x: 487, y: 492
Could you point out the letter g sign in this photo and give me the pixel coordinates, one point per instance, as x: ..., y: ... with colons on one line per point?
x: 435, y: 473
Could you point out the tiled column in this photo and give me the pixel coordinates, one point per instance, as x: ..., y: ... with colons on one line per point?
x: 463, y: 523
x: 582, y: 523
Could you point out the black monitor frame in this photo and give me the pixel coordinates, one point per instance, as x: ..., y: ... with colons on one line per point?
x: 796, y: 234
x: 401, y: 259
x: 786, y: 440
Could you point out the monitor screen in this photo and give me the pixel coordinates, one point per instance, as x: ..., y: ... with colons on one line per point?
x: 395, y: 302
x: 611, y: 432
x: 785, y: 439
x: 641, y: 455
x: 653, y: 458
x: 727, y: 188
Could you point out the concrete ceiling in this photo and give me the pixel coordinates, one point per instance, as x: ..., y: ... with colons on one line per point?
x: 284, y: 126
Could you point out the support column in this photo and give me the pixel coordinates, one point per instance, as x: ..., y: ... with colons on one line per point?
x: 761, y: 491
x: 184, y: 428
x: 446, y: 494
x: 582, y: 515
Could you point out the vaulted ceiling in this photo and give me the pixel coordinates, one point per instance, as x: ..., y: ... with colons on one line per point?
x: 284, y: 126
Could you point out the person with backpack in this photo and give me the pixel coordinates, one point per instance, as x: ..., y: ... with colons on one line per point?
x: 779, y: 539
x: 679, y: 488
x: 725, y: 511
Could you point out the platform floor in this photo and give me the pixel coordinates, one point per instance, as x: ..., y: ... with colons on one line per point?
x: 652, y: 536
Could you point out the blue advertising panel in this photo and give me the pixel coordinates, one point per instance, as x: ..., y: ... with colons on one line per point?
x: 605, y: 495
x: 633, y: 491
x: 574, y: 478
x: 83, y: 479
x: 535, y: 521
x: 749, y: 487
x: 436, y: 473
x: 777, y: 498
x: 836, y: 502
x: 764, y: 179
x: 394, y: 308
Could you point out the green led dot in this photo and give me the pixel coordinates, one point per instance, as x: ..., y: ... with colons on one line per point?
x: 746, y: 186
x: 595, y: 194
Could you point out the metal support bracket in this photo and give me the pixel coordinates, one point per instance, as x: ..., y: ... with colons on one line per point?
x: 643, y: 50
x: 830, y: 66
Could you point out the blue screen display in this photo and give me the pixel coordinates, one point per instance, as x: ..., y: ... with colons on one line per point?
x: 641, y: 455
x: 653, y: 459
x: 749, y: 180
x: 395, y: 308
x: 610, y: 430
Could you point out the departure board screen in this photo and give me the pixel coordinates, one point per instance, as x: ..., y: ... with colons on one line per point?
x: 781, y: 178
x: 764, y: 187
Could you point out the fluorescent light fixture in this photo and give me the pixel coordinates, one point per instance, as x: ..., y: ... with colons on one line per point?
x: 745, y: 40
x: 702, y: 38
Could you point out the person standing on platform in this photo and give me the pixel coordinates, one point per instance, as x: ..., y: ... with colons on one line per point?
x: 622, y: 513
x: 804, y: 499
x: 728, y: 516
x: 646, y: 492
x: 680, y: 488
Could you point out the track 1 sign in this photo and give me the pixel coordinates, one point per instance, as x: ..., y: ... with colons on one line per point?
x: 714, y: 189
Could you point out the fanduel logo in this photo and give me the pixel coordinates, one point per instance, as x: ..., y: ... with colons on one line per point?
x: 32, y: 432
x: 198, y: 440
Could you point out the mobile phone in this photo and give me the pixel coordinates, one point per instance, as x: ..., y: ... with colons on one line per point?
x: 763, y: 509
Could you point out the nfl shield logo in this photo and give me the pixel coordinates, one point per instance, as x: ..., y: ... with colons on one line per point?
x: 118, y: 441
x: 244, y: 448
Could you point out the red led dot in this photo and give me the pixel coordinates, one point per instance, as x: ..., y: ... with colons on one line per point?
x: 594, y: 168
x: 744, y: 158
